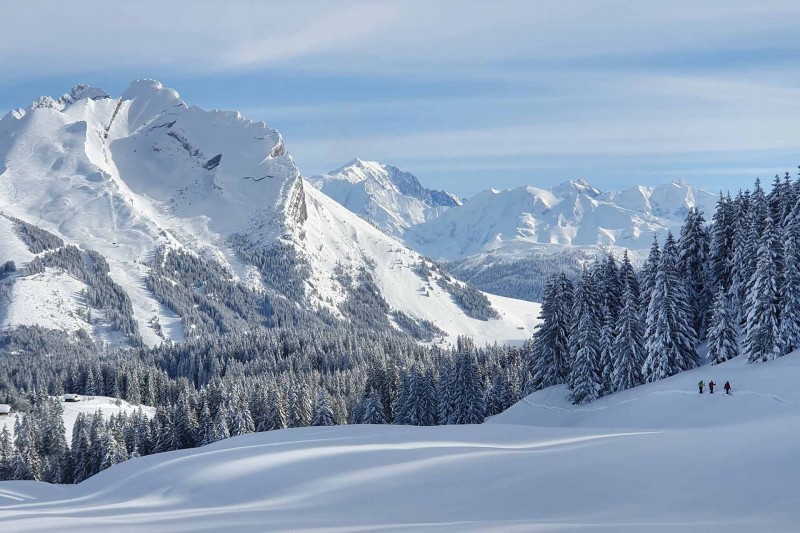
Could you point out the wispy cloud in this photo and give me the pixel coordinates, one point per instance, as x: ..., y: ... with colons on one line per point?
x: 558, y: 87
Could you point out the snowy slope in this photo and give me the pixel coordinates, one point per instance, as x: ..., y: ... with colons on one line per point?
x: 335, y: 236
x: 394, y: 200
x: 657, y: 458
x: 759, y: 391
x: 126, y: 176
x: 87, y: 406
x: 573, y: 213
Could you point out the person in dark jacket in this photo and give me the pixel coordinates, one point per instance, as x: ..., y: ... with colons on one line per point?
x: 711, y: 386
x: 727, y: 387
x: 700, y: 386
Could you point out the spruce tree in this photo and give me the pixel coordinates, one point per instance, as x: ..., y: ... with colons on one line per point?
x: 628, y: 349
x: 790, y: 285
x: 762, y: 335
x: 373, y: 410
x: 550, y: 347
x: 670, y: 343
x: 648, y: 273
x: 322, y: 415
x: 470, y: 399
x: 586, y: 373
x: 723, y: 331
x: 692, y: 266
x: 721, y: 245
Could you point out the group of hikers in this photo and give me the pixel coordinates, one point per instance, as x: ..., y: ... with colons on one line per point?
x: 711, y: 386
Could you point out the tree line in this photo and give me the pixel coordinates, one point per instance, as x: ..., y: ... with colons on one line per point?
x: 734, y: 283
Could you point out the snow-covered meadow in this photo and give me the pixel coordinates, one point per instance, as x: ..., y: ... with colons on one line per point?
x: 660, y: 457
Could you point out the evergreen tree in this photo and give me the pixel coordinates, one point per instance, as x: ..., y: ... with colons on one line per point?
x: 790, y: 285
x: 670, y: 343
x: 723, y: 332
x: 276, y: 414
x: 762, y: 335
x: 692, y: 263
x: 322, y: 413
x: 628, y: 349
x: 550, y: 347
x: 373, y: 410
x: 586, y: 373
x: 648, y: 274
x: 721, y: 246
x: 470, y: 399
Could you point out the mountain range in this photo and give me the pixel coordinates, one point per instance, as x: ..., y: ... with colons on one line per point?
x: 140, y: 218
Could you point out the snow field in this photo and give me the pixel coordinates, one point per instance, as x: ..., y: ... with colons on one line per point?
x: 89, y: 405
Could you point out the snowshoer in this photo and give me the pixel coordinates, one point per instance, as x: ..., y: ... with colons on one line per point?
x: 711, y: 386
x: 727, y: 387
x: 700, y: 386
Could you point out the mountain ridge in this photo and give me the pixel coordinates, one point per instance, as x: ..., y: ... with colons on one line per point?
x: 145, y: 176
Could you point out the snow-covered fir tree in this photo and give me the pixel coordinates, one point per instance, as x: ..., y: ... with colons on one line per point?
x: 723, y: 331
x: 693, y: 268
x: 790, y: 283
x: 550, y: 350
x: 628, y: 348
x: 671, y: 346
x: 586, y: 372
x: 721, y: 243
x: 762, y: 332
x: 323, y: 416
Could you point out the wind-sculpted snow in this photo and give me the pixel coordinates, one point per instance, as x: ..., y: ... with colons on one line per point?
x: 452, y: 478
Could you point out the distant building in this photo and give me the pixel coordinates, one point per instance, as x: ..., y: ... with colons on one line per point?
x: 4, y: 409
x: 72, y: 397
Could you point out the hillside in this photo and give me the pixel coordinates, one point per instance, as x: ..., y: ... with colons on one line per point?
x: 657, y: 458
x: 157, y: 212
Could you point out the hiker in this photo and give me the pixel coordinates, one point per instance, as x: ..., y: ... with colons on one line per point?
x: 700, y: 386
x: 711, y: 386
x: 727, y: 387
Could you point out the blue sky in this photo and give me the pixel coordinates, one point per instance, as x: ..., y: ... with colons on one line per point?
x: 466, y: 96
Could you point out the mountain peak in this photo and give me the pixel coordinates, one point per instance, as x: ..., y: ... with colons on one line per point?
x: 569, y: 187
x: 82, y: 90
x: 149, y: 89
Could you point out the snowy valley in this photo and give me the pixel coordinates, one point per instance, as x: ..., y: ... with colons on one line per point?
x: 267, y: 355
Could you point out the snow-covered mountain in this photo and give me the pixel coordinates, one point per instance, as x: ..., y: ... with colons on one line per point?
x: 148, y: 183
x: 392, y: 199
x: 573, y: 213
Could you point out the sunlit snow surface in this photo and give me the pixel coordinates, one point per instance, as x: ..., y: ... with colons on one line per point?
x: 657, y: 458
